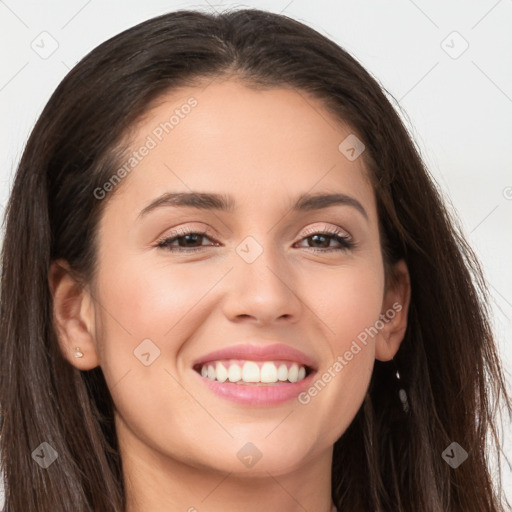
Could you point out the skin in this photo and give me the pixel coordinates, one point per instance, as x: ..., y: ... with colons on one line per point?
x: 178, y: 440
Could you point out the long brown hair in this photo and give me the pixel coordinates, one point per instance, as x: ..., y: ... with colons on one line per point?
x: 386, y: 460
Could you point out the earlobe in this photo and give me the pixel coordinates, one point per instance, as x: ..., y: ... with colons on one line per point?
x: 73, y: 317
x: 394, y: 313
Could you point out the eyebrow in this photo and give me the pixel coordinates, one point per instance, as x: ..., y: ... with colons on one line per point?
x: 223, y: 202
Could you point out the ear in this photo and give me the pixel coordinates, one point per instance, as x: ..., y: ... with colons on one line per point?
x: 73, y: 316
x: 395, y: 306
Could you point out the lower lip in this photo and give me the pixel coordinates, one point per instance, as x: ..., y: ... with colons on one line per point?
x: 252, y: 394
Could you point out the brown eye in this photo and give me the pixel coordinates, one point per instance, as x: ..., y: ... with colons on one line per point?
x: 321, y: 241
x: 187, y: 241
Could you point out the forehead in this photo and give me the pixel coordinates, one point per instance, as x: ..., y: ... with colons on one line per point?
x: 260, y: 145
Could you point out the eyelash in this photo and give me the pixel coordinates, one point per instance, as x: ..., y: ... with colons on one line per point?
x: 339, y: 236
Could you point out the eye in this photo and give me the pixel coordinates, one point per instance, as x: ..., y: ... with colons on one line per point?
x: 187, y: 241
x: 324, y: 238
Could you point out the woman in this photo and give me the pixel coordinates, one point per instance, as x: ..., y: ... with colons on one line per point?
x: 327, y: 348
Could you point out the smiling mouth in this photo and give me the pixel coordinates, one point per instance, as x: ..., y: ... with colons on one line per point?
x: 253, y: 373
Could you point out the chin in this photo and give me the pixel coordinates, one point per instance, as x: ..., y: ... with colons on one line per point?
x: 254, y: 456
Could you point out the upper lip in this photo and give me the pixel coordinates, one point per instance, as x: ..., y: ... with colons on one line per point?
x: 258, y: 352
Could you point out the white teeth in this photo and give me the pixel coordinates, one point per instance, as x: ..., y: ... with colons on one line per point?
x: 234, y: 373
x: 282, y: 373
x: 293, y: 373
x: 266, y: 372
x: 220, y: 372
x: 250, y: 372
x: 269, y: 372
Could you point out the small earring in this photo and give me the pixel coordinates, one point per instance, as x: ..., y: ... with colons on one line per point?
x: 402, y: 395
x: 78, y: 353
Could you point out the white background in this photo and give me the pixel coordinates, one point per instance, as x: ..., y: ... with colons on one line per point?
x: 459, y: 110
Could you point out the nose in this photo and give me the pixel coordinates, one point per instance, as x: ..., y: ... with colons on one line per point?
x: 263, y: 290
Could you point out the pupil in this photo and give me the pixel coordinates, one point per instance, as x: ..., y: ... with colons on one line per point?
x: 187, y: 237
x: 315, y: 238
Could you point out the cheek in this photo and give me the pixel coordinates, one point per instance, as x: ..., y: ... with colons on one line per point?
x: 146, y: 313
x: 148, y: 300
x: 347, y: 300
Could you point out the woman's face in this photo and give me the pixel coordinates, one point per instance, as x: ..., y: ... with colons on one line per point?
x: 263, y: 284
